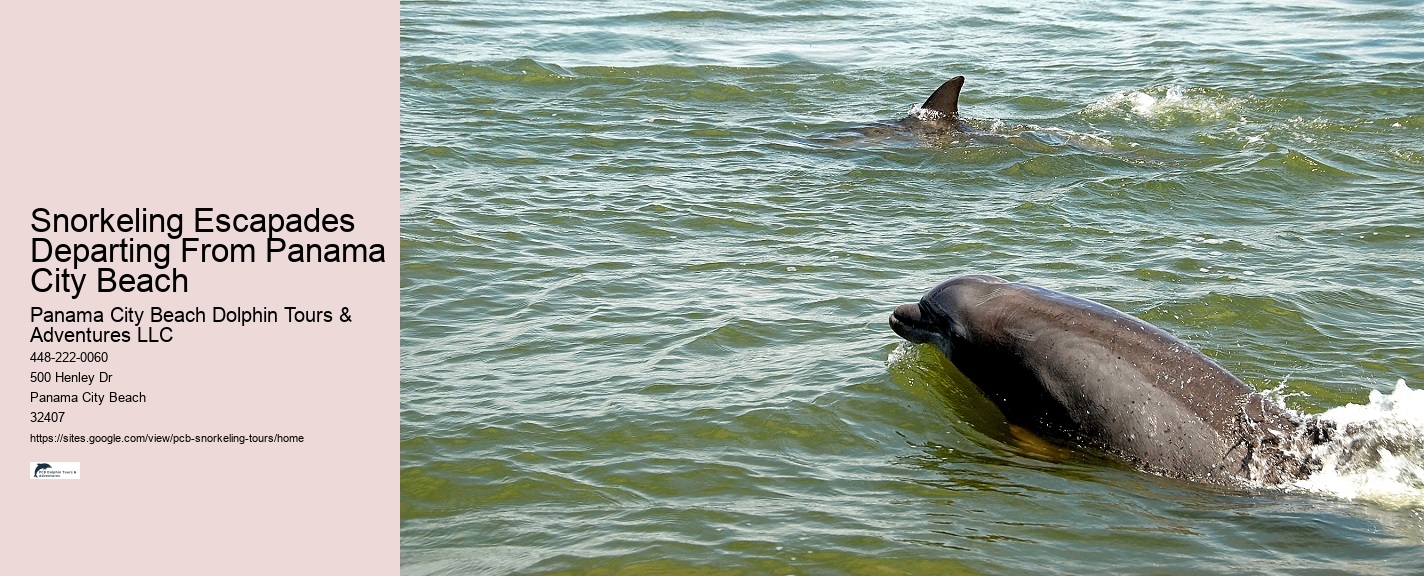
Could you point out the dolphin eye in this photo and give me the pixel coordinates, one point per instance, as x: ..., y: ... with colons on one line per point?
x: 934, y: 316
x: 951, y: 327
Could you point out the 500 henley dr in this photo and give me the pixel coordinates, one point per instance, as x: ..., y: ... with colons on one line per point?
x: 141, y: 221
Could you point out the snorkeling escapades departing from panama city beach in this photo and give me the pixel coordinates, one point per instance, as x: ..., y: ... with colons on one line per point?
x: 62, y: 279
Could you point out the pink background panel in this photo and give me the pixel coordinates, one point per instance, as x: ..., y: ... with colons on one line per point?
x: 251, y: 107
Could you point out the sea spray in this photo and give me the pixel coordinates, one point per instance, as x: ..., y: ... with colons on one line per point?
x: 1377, y: 453
x: 1170, y: 103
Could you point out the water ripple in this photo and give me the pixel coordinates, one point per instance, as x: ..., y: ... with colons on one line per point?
x: 648, y: 253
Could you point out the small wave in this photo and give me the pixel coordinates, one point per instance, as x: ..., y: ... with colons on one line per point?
x: 1378, y: 451
x: 1049, y: 138
x: 1028, y: 137
x: 1166, y: 103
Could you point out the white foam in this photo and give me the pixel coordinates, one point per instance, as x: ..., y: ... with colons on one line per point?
x: 1170, y: 100
x: 926, y: 114
x: 1142, y: 103
x: 1377, y: 453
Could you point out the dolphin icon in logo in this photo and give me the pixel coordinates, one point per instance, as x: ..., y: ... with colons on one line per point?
x: 42, y: 466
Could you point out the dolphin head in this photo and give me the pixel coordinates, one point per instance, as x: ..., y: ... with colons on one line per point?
x: 943, y: 316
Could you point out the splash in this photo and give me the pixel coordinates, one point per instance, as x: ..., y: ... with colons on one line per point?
x: 1169, y: 103
x: 926, y: 115
x: 903, y: 353
x: 1377, y: 453
x: 1144, y: 104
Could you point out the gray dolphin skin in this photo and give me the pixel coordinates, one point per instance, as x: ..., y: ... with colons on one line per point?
x: 1080, y: 372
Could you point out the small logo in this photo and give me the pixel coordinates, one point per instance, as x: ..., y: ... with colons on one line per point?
x: 54, y: 470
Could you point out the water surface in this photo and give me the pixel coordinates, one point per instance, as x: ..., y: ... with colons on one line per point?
x: 649, y: 250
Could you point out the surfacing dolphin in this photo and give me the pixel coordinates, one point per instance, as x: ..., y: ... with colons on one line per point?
x: 938, y: 122
x: 936, y: 118
x: 1080, y: 372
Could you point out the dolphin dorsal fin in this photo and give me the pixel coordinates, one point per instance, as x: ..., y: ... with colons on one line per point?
x: 945, y: 100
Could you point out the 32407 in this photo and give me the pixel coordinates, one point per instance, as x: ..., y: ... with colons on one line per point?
x: 46, y: 416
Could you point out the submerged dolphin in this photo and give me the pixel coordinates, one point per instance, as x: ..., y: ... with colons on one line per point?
x: 1078, y: 371
x: 937, y: 117
x: 937, y: 122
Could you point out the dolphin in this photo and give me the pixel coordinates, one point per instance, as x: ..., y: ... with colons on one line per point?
x: 1082, y: 373
x: 937, y: 122
x: 936, y: 118
x: 41, y: 466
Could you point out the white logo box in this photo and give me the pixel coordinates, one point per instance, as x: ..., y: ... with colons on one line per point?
x: 53, y: 471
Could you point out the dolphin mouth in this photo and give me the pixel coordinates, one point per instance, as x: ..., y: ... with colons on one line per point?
x: 909, y: 321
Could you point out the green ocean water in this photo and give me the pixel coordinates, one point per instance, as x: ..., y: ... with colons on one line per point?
x: 649, y: 250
